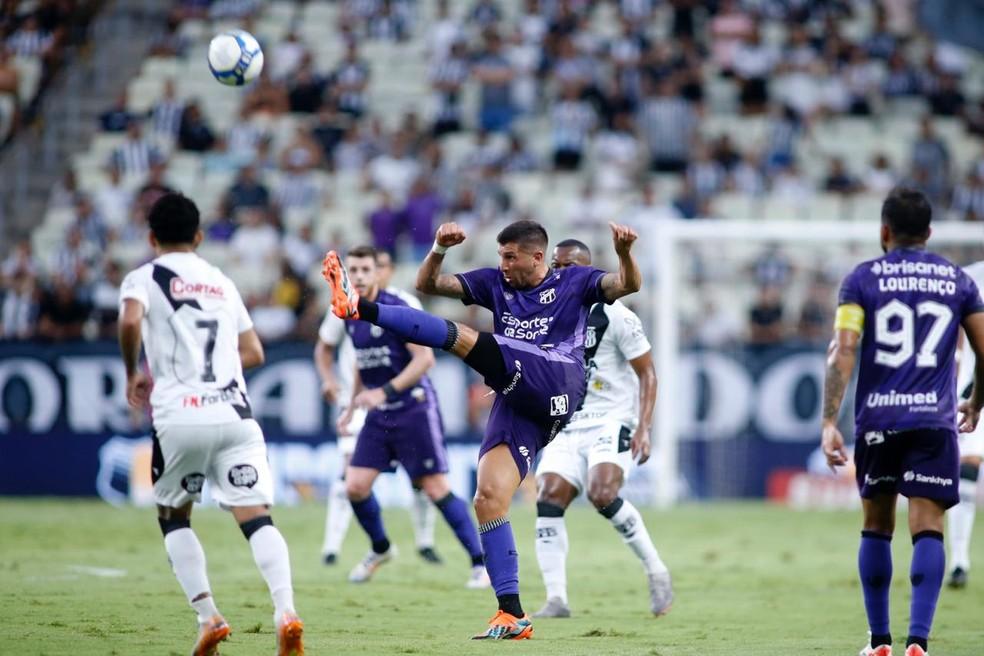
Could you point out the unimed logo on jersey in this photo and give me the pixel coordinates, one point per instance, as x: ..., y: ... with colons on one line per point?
x: 182, y: 289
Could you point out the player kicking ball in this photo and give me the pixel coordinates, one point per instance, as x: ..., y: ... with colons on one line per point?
x: 333, y: 344
x: 534, y: 361
x: 199, y: 337
x: 403, y: 423
x: 596, y: 450
x: 905, y: 310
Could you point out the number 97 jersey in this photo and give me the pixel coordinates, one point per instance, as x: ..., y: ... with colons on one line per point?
x: 193, y: 315
x: 908, y: 305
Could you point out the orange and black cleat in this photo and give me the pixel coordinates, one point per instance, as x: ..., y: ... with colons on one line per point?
x: 344, y: 298
x: 210, y: 634
x: 507, y: 627
x: 289, y: 631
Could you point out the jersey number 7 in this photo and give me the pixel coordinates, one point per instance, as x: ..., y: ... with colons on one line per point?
x: 212, y: 326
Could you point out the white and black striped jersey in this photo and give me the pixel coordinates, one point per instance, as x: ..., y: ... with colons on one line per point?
x: 667, y: 125
x: 965, y: 371
x: 192, y: 322
x: 614, y: 337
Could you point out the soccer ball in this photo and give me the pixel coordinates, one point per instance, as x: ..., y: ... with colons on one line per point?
x: 235, y: 58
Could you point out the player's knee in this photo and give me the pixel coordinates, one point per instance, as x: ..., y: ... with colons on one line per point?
x: 602, y: 495
x: 170, y: 524
x: 490, y: 503
x: 435, y: 487
x: 356, y: 489
x: 551, y: 497
x: 549, y: 509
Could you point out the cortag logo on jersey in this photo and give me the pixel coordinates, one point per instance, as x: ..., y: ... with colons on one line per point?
x: 243, y: 475
x: 548, y: 296
x: 558, y: 405
x: 182, y: 290
x: 193, y: 483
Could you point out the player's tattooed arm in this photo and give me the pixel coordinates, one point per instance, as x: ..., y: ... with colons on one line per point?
x: 430, y: 280
x: 131, y: 338
x: 628, y: 279
x: 841, y: 357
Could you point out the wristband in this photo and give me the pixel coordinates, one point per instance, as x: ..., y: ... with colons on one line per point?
x: 437, y: 248
x: 389, y: 391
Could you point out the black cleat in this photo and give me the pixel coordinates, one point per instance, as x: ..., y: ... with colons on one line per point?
x: 958, y: 578
x: 428, y: 554
x: 330, y: 559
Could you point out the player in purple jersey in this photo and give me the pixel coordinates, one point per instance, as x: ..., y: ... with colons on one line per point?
x: 403, y: 424
x: 905, y: 308
x: 534, y: 361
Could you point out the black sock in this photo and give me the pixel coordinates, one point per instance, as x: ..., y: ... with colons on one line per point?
x: 510, y: 604
x: 922, y: 642
x: 368, y: 310
x: 879, y: 640
x: 478, y: 560
x: 381, y: 547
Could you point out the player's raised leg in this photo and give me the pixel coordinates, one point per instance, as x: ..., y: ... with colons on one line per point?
x: 187, y: 558
x: 553, y: 498
x: 960, y: 519
x: 498, y: 480
x: 273, y: 560
x: 604, y: 484
x: 358, y: 481
x: 455, y: 512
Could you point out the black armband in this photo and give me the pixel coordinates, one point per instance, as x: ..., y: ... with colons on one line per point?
x: 390, y: 391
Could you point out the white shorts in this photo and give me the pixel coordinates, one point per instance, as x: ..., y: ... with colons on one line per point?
x: 575, y: 450
x: 346, y: 444
x: 232, y: 457
x: 972, y: 444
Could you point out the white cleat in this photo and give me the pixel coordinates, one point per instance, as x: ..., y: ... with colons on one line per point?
x: 362, y: 572
x: 660, y: 593
x: 478, y: 579
x: 555, y: 607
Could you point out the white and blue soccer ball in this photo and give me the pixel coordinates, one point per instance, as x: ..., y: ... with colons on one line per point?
x: 235, y: 58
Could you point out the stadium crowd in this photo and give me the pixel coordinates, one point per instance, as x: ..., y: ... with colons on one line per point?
x: 623, y: 113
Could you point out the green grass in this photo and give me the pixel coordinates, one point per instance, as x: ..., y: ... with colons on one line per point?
x: 750, y: 579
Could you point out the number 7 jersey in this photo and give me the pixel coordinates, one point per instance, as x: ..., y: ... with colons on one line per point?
x: 193, y: 315
x: 908, y: 305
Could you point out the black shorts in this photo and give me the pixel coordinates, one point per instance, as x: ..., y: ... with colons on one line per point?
x: 915, y: 463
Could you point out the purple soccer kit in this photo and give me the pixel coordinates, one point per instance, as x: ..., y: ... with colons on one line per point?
x: 905, y: 404
x: 408, y: 427
x: 540, y: 332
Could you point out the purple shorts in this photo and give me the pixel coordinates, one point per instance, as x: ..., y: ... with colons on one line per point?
x: 915, y: 463
x: 540, y: 392
x: 412, y: 436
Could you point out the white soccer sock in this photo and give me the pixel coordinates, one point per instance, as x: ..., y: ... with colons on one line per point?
x: 423, y: 516
x: 551, y: 554
x: 628, y: 522
x: 273, y: 560
x: 960, y: 525
x: 338, y: 519
x: 188, y: 562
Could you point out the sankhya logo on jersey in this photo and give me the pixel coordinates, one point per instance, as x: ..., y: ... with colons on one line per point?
x: 897, y: 400
x: 911, y: 476
x: 523, y: 451
x: 515, y: 379
x: 526, y: 329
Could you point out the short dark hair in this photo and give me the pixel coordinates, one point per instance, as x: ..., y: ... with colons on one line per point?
x: 574, y: 243
x: 524, y: 233
x: 174, y: 219
x: 363, y: 251
x: 907, y: 212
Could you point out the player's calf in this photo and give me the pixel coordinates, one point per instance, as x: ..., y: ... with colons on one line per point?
x: 272, y: 559
x: 551, y: 555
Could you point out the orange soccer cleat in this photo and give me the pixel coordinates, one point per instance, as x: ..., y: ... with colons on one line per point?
x: 289, y: 632
x: 210, y: 634
x: 344, y: 298
x: 507, y: 627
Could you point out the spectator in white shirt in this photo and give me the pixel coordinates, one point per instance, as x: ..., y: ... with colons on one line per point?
x: 255, y: 243
x: 393, y: 172
x: 114, y: 200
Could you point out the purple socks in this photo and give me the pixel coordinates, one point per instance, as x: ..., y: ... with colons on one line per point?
x: 456, y: 514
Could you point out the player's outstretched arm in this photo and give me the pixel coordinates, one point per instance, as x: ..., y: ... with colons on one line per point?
x: 841, y: 357
x: 430, y: 280
x: 646, y: 371
x: 421, y: 359
x: 970, y: 410
x: 628, y: 280
x: 251, y: 349
x: 131, y: 338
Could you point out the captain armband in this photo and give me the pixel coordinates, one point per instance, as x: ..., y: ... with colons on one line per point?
x: 849, y: 317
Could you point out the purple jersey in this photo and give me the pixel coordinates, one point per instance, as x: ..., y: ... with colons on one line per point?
x: 380, y: 356
x: 913, y: 303
x: 551, y: 315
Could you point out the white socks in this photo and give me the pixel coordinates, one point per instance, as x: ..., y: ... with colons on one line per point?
x: 628, y: 522
x: 960, y: 525
x: 338, y: 519
x: 273, y: 560
x: 188, y: 562
x: 423, y: 516
x: 551, y: 553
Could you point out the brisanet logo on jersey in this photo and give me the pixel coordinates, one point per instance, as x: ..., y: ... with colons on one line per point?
x: 918, y: 402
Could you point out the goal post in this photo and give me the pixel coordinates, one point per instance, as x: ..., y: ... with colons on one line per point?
x: 667, y: 240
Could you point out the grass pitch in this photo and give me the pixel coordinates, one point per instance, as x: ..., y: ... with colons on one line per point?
x: 82, y: 578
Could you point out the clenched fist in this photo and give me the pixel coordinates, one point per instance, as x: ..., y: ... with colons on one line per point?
x: 623, y: 238
x: 449, y: 234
